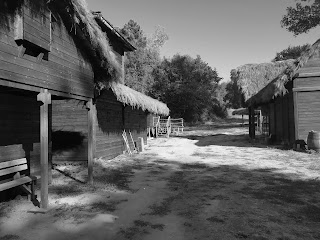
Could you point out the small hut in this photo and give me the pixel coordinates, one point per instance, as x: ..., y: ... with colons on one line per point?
x: 293, y: 98
x: 254, y: 77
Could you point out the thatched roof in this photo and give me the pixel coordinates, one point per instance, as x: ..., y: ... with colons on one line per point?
x: 277, y: 87
x: 113, y: 32
x: 136, y: 99
x: 253, y: 77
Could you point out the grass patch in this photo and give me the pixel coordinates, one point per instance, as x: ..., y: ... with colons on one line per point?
x: 110, y: 206
x: 10, y: 237
x: 163, y: 208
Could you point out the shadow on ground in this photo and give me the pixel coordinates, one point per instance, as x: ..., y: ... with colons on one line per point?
x: 212, y: 202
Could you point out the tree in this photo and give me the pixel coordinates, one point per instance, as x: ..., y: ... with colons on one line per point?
x: 188, y: 85
x: 139, y: 64
x: 302, y: 17
x: 234, y: 97
x: 291, y: 53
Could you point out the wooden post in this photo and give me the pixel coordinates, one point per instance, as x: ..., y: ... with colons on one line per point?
x: 90, y: 109
x: 45, y: 97
x: 251, y: 123
x: 296, y: 116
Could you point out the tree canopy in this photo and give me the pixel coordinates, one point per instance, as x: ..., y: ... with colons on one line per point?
x: 188, y: 86
x: 234, y: 97
x: 139, y: 64
x: 291, y: 52
x: 303, y: 17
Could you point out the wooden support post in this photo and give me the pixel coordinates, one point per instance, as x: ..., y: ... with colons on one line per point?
x: 90, y: 109
x: 45, y: 97
x: 251, y: 123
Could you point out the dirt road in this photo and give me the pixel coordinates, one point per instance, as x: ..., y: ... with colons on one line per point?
x: 210, y: 183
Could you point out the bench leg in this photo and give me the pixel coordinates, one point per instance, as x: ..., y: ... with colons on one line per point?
x: 33, y: 197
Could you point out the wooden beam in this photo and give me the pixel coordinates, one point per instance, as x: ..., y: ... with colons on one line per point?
x: 306, y: 89
x: 45, y: 97
x: 12, y: 84
x: 91, y: 149
x: 296, y: 115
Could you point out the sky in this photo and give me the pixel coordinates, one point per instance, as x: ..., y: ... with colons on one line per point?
x: 225, y: 33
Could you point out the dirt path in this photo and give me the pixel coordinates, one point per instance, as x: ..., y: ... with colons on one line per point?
x: 212, y: 183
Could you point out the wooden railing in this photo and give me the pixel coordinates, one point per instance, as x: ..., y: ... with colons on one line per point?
x: 167, y: 126
x: 177, y: 125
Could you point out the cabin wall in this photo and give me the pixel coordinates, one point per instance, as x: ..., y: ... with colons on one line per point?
x: 19, y: 128
x: 136, y: 123
x: 308, y: 113
x: 63, y: 67
x: 69, y: 130
x: 281, y: 118
x: 108, y: 126
x: 307, y: 97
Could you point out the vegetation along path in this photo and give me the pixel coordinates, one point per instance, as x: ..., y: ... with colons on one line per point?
x: 210, y: 183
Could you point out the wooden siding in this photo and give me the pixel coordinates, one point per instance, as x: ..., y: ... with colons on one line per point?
x: 108, y: 126
x: 69, y: 124
x: 272, y: 125
x: 34, y: 27
x: 19, y: 128
x: 308, y: 109
x: 64, y: 69
x: 307, y: 82
x: 281, y: 118
x: 136, y: 122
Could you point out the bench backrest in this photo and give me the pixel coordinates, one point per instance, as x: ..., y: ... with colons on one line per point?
x: 13, y: 166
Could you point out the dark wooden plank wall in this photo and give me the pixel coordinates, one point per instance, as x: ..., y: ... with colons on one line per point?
x: 135, y: 120
x: 69, y: 120
x: 272, y: 121
x: 19, y: 128
x: 281, y: 115
x: 66, y: 68
x: 108, y: 126
x: 308, y: 107
x: 70, y: 116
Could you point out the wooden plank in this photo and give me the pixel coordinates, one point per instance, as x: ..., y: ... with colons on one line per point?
x: 91, y: 146
x: 28, y: 79
x: 33, y: 25
x: 56, y: 61
x: 9, y: 170
x: 44, y: 71
x: 296, y: 115
x: 15, y: 183
x: 306, y: 89
x: 45, y: 97
x: 13, y: 163
x: 309, y: 74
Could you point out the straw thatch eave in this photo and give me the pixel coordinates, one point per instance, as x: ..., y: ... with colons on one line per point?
x: 253, y: 77
x: 277, y: 87
x: 108, y: 27
x: 136, y: 99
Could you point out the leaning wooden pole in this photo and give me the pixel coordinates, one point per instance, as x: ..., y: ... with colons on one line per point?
x: 45, y: 97
x: 90, y: 109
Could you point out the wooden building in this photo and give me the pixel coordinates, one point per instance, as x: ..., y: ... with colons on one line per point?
x: 49, y: 51
x: 291, y: 101
x: 252, y: 78
x: 116, y: 108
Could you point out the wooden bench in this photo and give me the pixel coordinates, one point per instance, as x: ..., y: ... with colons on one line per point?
x: 18, y: 180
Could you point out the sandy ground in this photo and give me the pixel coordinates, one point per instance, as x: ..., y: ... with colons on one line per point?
x: 209, y: 183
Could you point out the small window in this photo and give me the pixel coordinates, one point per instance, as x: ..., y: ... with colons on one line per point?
x: 33, y: 27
